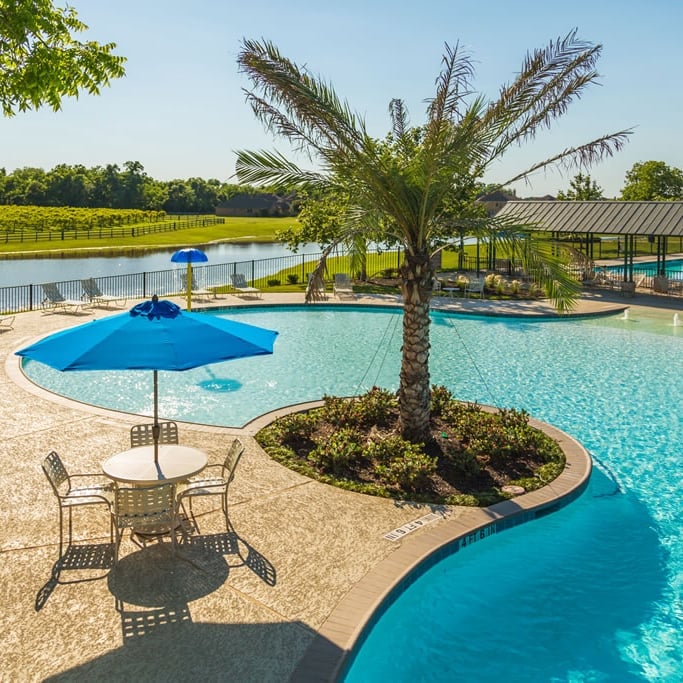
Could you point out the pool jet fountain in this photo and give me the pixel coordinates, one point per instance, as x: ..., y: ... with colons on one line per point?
x: 677, y: 320
x: 626, y: 315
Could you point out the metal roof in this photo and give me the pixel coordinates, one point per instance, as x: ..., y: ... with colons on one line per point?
x: 602, y: 217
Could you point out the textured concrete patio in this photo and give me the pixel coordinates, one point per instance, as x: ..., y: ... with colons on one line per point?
x: 279, y: 599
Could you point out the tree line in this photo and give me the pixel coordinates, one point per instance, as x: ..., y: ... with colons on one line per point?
x: 114, y: 187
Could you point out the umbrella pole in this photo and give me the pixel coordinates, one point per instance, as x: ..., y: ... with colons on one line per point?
x: 155, y: 426
x: 188, y: 286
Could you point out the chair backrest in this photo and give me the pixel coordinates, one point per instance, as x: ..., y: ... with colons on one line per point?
x: 342, y: 280
x: 231, y: 460
x: 56, y: 473
x: 143, y: 435
x: 52, y: 292
x: 476, y: 284
x: 91, y: 288
x: 238, y: 280
x: 140, y: 505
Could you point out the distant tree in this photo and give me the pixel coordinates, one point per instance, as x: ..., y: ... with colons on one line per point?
x: 653, y: 181
x: 488, y: 188
x: 40, y: 60
x: 581, y: 188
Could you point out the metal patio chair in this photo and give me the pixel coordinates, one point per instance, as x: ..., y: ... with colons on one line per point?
x: 148, y: 511
x: 216, y: 485
x: 143, y: 435
x: 96, y: 489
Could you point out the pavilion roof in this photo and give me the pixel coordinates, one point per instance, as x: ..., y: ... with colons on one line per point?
x: 602, y: 217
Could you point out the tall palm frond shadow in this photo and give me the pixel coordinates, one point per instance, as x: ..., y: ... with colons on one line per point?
x: 230, y: 543
x: 84, y: 557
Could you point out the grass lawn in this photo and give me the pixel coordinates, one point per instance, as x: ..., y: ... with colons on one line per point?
x: 233, y: 230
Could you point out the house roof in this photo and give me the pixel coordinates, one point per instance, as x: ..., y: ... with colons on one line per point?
x: 602, y: 217
x: 245, y: 200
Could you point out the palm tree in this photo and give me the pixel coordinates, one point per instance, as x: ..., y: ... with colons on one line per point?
x: 417, y: 184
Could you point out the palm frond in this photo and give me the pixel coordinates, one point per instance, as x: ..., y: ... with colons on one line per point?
x: 549, y: 81
x: 580, y: 157
x: 266, y: 168
x: 295, y: 103
x: 452, y: 85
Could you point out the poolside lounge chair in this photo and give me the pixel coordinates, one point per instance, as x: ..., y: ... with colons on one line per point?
x: 207, y: 484
x: 57, y: 300
x: 239, y: 283
x: 7, y: 322
x: 97, y: 298
x: 200, y: 292
x: 342, y: 286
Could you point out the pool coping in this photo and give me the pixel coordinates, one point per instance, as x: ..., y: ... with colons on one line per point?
x: 330, y: 652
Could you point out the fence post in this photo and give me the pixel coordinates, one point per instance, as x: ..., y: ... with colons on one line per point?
x: 144, y: 285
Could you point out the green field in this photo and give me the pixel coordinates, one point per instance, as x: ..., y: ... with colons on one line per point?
x: 232, y: 230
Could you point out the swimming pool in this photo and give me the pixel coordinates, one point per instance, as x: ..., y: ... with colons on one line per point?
x: 589, y: 593
x: 673, y: 267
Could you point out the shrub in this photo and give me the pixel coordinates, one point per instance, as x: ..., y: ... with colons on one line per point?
x: 463, y: 462
x: 409, y: 470
x: 375, y: 406
x: 439, y: 399
x: 293, y: 278
x: 337, y: 411
x: 274, y: 282
x: 339, y: 452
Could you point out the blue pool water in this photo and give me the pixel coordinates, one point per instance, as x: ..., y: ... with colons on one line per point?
x: 650, y: 267
x: 590, y: 593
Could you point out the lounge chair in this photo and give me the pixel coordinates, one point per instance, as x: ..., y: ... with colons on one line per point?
x: 239, y: 284
x: 342, y: 287
x: 57, y: 300
x: 7, y: 322
x: 200, y: 292
x: 97, y: 298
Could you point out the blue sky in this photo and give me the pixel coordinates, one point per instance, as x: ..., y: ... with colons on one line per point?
x: 181, y: 111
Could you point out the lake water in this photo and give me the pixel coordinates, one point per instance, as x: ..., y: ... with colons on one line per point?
x: 29, y: 271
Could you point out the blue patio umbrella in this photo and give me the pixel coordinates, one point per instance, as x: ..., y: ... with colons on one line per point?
x: 154, y: 335
x: 190, y: 255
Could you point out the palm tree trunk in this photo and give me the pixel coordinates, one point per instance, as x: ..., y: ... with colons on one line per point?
x: 414, y: 387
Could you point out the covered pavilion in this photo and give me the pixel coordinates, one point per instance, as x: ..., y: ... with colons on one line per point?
x: 658, y: 221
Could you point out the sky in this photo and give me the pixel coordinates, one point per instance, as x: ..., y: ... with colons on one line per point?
x: 181, y: 110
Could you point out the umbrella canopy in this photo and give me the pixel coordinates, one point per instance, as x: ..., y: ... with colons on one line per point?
x: 154, y: 335
x: 189, y: 255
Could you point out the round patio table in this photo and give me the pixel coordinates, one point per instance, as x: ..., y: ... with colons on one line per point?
x: 136, y: 466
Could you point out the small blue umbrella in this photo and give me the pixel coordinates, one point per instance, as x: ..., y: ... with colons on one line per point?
x: 190, y: 255
x: 154, y: 335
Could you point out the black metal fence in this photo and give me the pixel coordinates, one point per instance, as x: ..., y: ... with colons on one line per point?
x: 120, y: 231
x: 261, y: 273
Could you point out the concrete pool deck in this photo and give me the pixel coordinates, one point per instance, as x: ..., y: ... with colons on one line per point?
x: 281, y: 599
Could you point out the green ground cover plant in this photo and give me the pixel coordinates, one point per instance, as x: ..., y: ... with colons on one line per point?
x: 473, y: 453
